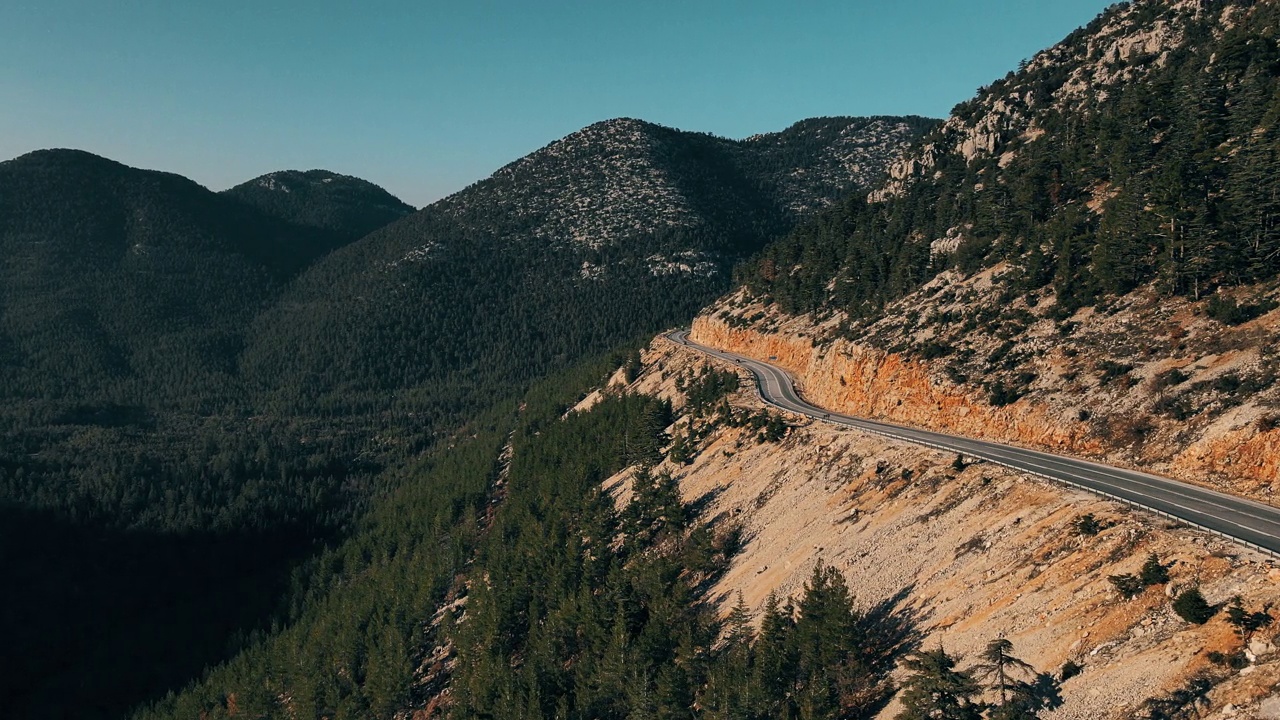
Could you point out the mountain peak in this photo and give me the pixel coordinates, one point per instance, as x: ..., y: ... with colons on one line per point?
x: 66, y: 163
x: 1119, y: 50
x: 625, y: 177
x: 342, y: 204
x: 288, y: 180
x: 63, y: 155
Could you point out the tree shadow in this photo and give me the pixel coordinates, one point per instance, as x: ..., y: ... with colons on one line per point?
x: 1188, y: 701
x: 892, y: 629
x: 698, y: 506
x: 1046, y: 690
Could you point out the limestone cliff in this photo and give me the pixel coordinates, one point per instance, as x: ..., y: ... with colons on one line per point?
x: 1120, y: 47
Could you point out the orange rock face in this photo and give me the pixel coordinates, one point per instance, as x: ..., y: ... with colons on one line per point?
x: 863, y: 381
x: 868, y: 382
x: 1248, y: 455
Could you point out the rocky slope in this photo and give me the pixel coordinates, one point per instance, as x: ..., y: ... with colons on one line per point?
x: 1144, y: 382
x: 974, y: 553
x: 625, y: 180
x: 1120, y: 49
x: 818, y: 161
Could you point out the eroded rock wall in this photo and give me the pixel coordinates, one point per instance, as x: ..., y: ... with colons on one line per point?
x: 866, y: 381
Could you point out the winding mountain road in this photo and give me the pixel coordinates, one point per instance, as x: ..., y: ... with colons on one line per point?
x: 1252, y: 523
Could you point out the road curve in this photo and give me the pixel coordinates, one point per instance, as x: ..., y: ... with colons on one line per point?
x: 1252, y: 523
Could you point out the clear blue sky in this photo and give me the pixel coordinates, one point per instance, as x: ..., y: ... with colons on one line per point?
x: 426, y: 97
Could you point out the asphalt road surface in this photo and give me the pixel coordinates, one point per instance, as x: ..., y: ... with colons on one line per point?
x: 1252, y: 523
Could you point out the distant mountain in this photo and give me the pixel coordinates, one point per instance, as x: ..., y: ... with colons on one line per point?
x: 123, y: 285
x: 126, y: 452
x: 612, y: 232
x: 818, y: 161
x: 143, y: 316
x: 218, y: 369
x: 347, y: 206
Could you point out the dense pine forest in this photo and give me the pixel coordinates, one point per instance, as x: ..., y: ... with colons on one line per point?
x: 507, y: 574
x: 1164, y: 174
x: 237, y: 381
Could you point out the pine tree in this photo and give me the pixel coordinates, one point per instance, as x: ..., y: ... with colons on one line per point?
x: 389, y: 672
x: 731, y: 685
x: 1023, y: 692
x: 829, y: 647
x: 655, y: 510
x: 1000, y: 666
x: 937, y: 691
x: 1153, y: 571
x: 775, y: 668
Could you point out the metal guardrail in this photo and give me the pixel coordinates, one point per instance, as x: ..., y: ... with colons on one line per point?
x: 1094, y: 491
x: 916, y: 441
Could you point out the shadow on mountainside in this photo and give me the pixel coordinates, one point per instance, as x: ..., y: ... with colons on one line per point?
x: 95, y: 621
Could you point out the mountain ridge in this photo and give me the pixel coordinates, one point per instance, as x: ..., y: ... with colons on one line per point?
x: 347, y: 206
x: 968, y: 296
x: 216, y: 370
x: 620, y: 208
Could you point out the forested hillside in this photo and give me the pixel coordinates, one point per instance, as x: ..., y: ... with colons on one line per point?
x: 613, y: 232
x: 554, y: 601
x: 346, y: 206
x: 190, y: 376
x: 1141, y: 149
x: 129, y: 452
x: 123, y: 306
x: 1137, y: 154
x: 129, y: 286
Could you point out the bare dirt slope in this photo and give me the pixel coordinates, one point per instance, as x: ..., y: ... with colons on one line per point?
x: 974, y: 553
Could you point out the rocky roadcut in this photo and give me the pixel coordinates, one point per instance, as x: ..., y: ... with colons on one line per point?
x: 1230, y: 443
x: 975, y: 552
x: 1252, y: 524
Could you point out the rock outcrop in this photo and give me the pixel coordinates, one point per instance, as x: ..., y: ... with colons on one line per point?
x: 1087, y: 65
x: 869, y: 382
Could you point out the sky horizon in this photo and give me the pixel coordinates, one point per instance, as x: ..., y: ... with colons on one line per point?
x: 424, y: 99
